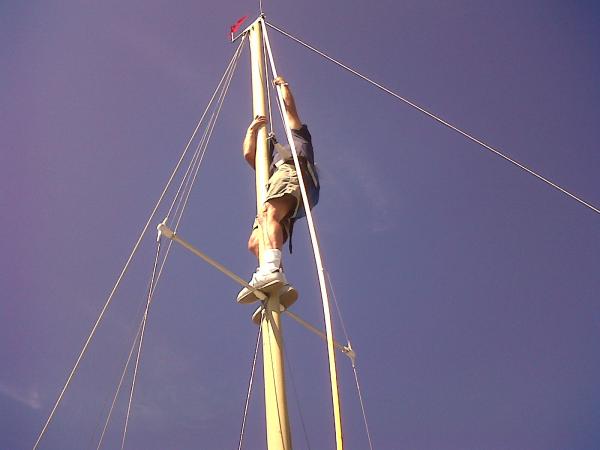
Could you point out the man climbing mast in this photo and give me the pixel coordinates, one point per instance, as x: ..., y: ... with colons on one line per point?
x: 283, y: 204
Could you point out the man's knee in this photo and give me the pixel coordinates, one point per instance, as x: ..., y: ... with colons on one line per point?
x: 271, y: 213
x: 267, y: 216
x: 253, y: 243
x: 277, y: 209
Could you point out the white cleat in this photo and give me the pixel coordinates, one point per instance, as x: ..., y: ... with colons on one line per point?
x: 287, y: 297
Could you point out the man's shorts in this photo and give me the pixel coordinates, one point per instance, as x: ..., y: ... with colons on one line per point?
x: 284, y: 181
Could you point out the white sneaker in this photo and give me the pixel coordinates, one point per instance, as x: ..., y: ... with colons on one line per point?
x: 267, y: 282
x: 288, y: 295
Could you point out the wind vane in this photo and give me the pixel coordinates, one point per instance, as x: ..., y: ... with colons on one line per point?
x: 236, y: 26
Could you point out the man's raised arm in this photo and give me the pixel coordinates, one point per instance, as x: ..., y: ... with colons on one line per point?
x: 249, y: 145
x: 290, y: 104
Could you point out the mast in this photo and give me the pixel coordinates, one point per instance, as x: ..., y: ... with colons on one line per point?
x: 278, y: 428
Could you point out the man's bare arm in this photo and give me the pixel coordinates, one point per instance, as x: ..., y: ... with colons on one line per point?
x: 249, y: 145
x: 290, y: 104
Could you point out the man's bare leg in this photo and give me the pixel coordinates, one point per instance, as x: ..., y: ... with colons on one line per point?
x: 274, y: 211
x: 270, y: 218
x: 253, y: 242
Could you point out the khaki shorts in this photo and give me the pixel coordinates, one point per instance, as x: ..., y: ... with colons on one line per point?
x: 284, y: 181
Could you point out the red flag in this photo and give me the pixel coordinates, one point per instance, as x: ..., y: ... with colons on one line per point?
x: 237, y: 25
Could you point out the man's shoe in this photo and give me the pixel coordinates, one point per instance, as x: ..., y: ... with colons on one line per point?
x: 266, y: 282
x: 288, y: 295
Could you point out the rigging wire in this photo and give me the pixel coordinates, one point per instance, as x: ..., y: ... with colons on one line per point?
x: 203, y: 144
x: 187, y: 184
x: 128, y: 360
x: 141, y: 340
x: 362, y: 405
x: 297, y: 400
x: 319, y: 263
x: 249, y: 392
x: 187, y: 178
x: 354, y: 368
x: 98, y: 421
x: 123, y: 372
x: 266, y: 84
x: 198, y: 159
x: 324, y: 272
x: 210, y: 129
x: 114, y: 401
x: 129, y: 259
x: 200, y: 152
x: 208, y: 134
x: 225, y: 80
x: 337, y: 306
x: 440, y: 120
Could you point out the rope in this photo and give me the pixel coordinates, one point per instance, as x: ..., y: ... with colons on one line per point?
x: 126, y: 267
x: 362, y: 405
x: 337, y: 307
x: 337, y: 415
x: 297, y: 401
x: 98, y: 421
x: 114, y: 401
x: 203, y: 145
x: 208, y: 133
x: 197, y: 161
x: 345, y: 350
x: 143, y: 330
x: 250, y: 382
x: 442, y: 121
x: 141, y: 307
x: 185, y: 189
x: 266, y: 84
x: 187, y: 178
x: 213, y: 120
x: 354, y: 369
x: 124, y: 371
x: 228, y: 71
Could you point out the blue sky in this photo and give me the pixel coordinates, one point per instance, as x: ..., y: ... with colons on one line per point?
x: 469, y: 288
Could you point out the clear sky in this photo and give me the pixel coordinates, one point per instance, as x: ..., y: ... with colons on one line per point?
x: 469, y: 289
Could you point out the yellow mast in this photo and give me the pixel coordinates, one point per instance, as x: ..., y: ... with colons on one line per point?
x: 278, y: 427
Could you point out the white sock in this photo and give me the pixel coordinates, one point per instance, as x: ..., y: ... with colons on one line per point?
x: 271, y: 260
